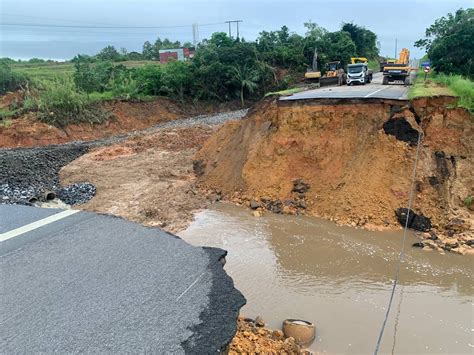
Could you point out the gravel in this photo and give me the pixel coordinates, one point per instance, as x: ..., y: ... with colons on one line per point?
x: 76, y: 194
x: 27, y: 173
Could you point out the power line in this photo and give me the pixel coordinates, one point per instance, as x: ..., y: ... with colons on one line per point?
x: 56, y: 19
x: 402, y: 249
x: 230, y: 29
x: 106, y: 27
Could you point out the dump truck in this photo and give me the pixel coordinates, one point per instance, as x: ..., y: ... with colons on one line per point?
x: 358, y: 71
x: 399, y: 71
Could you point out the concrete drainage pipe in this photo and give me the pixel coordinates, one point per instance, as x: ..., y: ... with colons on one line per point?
x: 303, y: 331
x: 49, y: 195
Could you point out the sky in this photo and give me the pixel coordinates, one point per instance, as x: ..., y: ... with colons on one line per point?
x: 401, y: 20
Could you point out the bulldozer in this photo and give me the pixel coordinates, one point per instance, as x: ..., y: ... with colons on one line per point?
x: 334, y: 75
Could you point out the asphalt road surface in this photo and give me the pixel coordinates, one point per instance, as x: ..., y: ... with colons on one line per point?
x: 373, y: 90
x: 80, y: 282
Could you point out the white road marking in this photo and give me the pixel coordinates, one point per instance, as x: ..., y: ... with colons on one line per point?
x: 376, y: 91
x: 190, y: 286
x: 34, y: 225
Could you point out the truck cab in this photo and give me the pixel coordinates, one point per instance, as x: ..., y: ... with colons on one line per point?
x: 358, y: 73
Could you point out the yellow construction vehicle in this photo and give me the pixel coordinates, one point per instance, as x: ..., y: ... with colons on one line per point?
x: 358, y: 60
x: 334, y: 73
x: 397, y: 70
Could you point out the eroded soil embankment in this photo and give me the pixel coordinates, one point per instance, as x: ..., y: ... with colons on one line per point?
x: 27, y: 131
x: 354, y: 161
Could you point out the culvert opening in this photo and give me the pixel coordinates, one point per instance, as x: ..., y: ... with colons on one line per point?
x: 401, y: 129
x: 49, y: 195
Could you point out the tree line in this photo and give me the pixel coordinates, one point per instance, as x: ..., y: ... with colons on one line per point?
x: 225, y: 68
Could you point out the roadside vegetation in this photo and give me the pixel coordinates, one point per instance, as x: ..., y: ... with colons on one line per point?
x: 444, y: 84
x: 449, y: 45
x: 223, y: 69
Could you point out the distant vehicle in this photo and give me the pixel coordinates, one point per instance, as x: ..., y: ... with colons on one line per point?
x: 398, y: 70
x: 334, y: 73
x: 358, y: 72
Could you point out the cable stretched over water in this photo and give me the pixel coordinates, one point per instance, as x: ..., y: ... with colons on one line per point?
x: 402, y: 249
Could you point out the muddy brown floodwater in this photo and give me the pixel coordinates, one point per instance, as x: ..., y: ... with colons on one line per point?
x: 340, y: 279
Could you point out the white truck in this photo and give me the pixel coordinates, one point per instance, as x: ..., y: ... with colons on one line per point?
x: 358, y: 73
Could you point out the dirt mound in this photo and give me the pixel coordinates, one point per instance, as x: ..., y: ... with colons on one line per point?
x: 254, y: 339
x: 358, y: 165
x: 148, y: 178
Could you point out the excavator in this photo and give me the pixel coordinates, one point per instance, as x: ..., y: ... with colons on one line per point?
x: 334, y: 75
x: 399, y: 71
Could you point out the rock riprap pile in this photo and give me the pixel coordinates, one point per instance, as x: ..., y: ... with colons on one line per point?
x: 27, y: 174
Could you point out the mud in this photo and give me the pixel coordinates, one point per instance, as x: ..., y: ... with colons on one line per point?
x: 148, y: 178
x: 357, y: 162
x: 340, y: 278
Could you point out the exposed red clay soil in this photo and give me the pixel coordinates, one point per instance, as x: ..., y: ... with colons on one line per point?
x: 127, y: 116
x: 26, y: 131
x: 357, y: 173
x: 253, y: 338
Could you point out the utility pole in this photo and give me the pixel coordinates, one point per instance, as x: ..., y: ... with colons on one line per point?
x: 396, y: 43
x: 195, y: 34
x: 236, y: 22
x: 230, y: 33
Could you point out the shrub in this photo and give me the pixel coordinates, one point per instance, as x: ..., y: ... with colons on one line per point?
x: 59, y: 104
x: 150, y: 78
x: 10, y: 80
x: 126, y: 88
x: 176, y: 79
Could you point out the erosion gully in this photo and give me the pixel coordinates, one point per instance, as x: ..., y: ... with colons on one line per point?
x: 340, y: 278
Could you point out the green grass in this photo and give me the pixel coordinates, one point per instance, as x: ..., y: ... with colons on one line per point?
x: 442, y: 84
x: 291, y: 90
x: 51, y: 71
x: 374, y: 65
x: 44, y: 71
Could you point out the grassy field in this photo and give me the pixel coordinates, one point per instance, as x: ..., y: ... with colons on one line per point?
x: 50, y: 71
x: 442, y: 84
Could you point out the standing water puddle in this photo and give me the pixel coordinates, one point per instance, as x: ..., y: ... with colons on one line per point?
x: 340, y: 279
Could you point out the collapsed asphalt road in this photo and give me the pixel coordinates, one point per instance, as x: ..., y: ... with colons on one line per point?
x: 81, y: 282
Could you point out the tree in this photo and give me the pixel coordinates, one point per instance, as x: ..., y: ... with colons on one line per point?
x: 109, y: 53
x: 148, y: 51
x: 364, y: 40
x: 246, y: 78
x: 336, y: 46
x: 150, y: 77
x: 176, y: 79
x: 449, y: 43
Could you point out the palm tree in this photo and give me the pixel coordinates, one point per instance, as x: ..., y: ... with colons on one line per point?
x: 247, y: 78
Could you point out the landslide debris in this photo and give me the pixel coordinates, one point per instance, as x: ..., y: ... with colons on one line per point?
x: 253, y: 338
x: 149, y: 177
x: 355, y: 160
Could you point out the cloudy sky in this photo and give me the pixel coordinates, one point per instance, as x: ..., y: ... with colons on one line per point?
x: 405, y: 20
